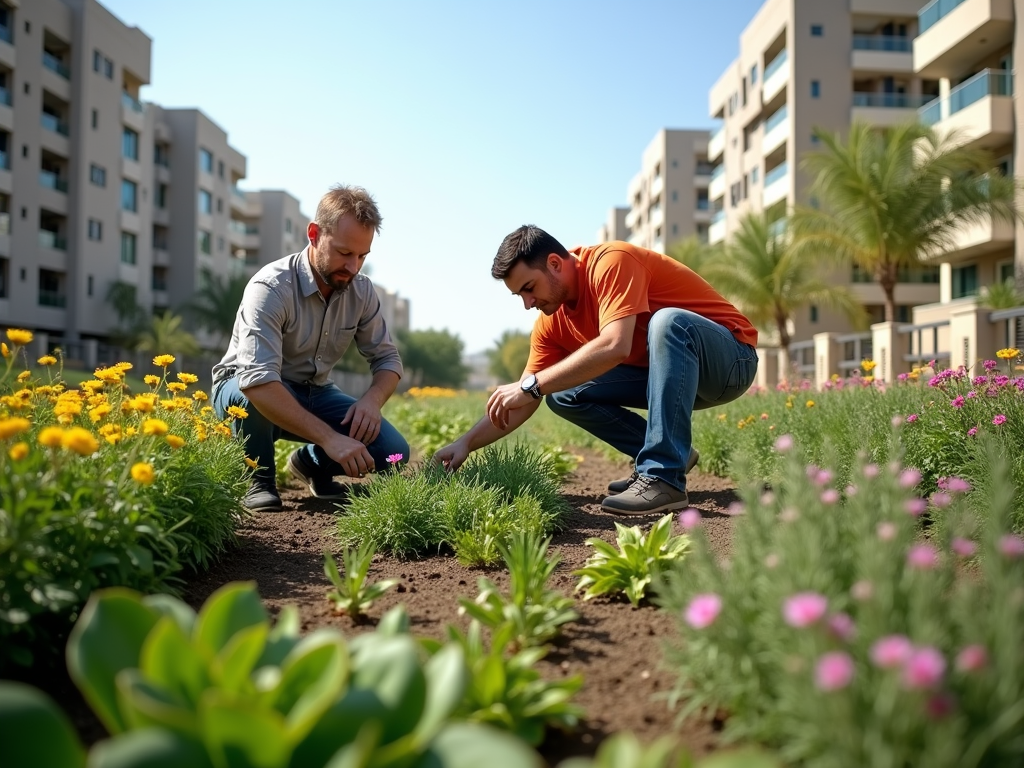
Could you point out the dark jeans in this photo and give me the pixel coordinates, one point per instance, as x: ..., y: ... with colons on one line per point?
x: 327, y: 402
x: 694, y: 363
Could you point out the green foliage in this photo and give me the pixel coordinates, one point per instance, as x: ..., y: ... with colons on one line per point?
x: 225, y: 688
x: 518, y: 470
x: 630, y: 568
x: 435, y: 355
x: 166, y: 332
x: 351, y: 593
x: 427, y: 428
x: 624, y: 750
x: 785, y: 634
x: 532, y: 614
x: 1004, y: 295
x: 692, y: 253
x: 216, y: 303
x: 507, y: 360
x: 477, y: 540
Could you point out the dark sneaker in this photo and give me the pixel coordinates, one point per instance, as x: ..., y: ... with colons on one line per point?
x: 646, y: 496
x: 262, y: 499
x: 618, y: 486
x: 319, y: 487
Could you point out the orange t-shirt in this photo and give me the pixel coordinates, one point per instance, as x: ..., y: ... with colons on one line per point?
x: 617, y: 280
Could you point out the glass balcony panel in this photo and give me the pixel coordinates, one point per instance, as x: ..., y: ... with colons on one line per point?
x: 48, y: 239
x: 777, y: 117
x: 5, y: 34
x: 718, y: 171
x: 776, y: 173
x: 932, y: 13
x: 52, y: 299
x: 775, y: 64
x: 718, y: 216
x: 988, y: 82
x: 891, y: 100
x: 4, y: 162
x: 52, y: 180
x: 54, y: 123
x: 131, y: 103
x: 5, y: 97
x: 883, y: 43
x: 54, y: 64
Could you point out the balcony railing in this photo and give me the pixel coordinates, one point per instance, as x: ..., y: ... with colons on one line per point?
x: 775, y: 64
x: 238, y: 193
x: 131, y: 102
x: 5, y: 97
x: 54, y: 64
x: 703, y: 204
x: 5, y: 223
x: 48, y: 239
x: 704, y: 169
x: 54, y: 123
x: 5, y: 34
x: 52, y: 299
x: 242, y: 228
x: 718, y: 216
x: 776, y: 173
x: 5, y: 163
x: 776, y: 118
x: 51, y: 180
x: 988, y: 82
x: 892, y: 100
x: 717, y: 171
x: 933, y: 12
x: 883, y: 43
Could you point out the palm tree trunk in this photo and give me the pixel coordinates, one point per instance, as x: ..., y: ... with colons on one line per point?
x: 887, y: 280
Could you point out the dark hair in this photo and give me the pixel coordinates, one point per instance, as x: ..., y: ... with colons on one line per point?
x: 529, y: 244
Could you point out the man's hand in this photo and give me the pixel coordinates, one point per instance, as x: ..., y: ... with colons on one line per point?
x: 452, y: 456
x: 504, y: 399
x: 351, y: 454
x: 364, y: 418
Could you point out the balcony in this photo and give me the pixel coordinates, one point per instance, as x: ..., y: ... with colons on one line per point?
x: 54, y: 64
x: 52, y: 240
x: 884, y: 109
x: 776, y: 130
x: 776, y: 75
x: 54, y: 123
x: 54, y: 299
x: 882, y: 53
x: 5, y: 35
x: 776, y: 184
x: 51, y: 180
x: 5, y: 97
x: 656, y: 217
x: 716, y: 232
x: 5, y: 162
x: 717, y: 186
x: 716, y: 145
x: 980, y: 108
x: 954, y: 34
x: 131, y: 103
x: 657, y: 185
x: 979, y: 239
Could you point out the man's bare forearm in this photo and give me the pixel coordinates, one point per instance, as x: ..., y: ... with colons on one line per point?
x: 382, y: 387
x: 483, y: 433
x: 277, y: 404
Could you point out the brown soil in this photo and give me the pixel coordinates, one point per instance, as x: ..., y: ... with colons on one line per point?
x: 615, y: 647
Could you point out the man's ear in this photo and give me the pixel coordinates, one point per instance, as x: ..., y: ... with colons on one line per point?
x: 313, y: 232
x: 554, y: 263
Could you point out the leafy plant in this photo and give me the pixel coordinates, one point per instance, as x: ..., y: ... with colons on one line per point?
x: 224, y: 688
x: 624, y: 750
x: 516, y: 470
x: 351, y: 593
x: 532, y: 614
x: 630, y: 568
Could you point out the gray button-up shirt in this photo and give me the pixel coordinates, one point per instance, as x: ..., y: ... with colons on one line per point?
x: 285, y: 328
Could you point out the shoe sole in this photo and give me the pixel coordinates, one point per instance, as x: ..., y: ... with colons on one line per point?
x: 694, y: 458
x: 669, y: 507
x: 297, y: 474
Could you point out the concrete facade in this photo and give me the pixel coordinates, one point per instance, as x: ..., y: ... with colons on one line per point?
x: 614, y: 227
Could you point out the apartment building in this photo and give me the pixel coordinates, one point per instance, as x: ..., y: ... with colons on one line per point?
x: 614, y: 227
x: 806, y: 64
x: 668, y: 197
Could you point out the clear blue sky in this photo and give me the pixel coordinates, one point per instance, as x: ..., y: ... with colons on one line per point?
x: 464, y: 118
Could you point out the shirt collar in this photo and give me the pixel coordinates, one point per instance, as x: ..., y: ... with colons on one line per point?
x: 305, y: 272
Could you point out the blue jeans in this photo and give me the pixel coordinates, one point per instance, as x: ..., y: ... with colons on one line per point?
x: 694, y: 363
x: 326, y: 402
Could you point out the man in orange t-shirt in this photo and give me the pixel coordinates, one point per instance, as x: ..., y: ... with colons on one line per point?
x: 621, y: 327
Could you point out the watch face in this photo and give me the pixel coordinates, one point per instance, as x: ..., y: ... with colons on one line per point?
x: 529, y: 382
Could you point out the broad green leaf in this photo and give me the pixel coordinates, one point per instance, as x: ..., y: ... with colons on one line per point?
x: 282, y: 638
x: 149, y: 748
x: 447, y: 677
x: 490, y: 680
x: 339, y: 726
x: 231, y: 608
x: 356, y: 754
x: 312, y: 678
x: 742, y: 758
x: 144, y: 704
x: 238, y: 733
x: 235, y: 663
x: 167, y: 605
x: 391, y: 669
x: 34, y: 731
x: 394, y: 622
x: 169, y: 661
x: 107, y: 638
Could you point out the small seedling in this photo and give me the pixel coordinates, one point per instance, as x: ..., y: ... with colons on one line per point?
x: 631, y: 567
x: 351, y: 593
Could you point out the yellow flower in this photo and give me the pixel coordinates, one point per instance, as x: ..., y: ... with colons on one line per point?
x: 142, y: 473
x: 163, y: 360
x: 129, y: 431
x: 24, y: 375
x: 237, y: 413
x: 188, y: 378
x: 110, y: 429
x: 109, y: 375
x: 93, y: 385
x: 810, y: 403
x: 19, y: 336
x: 11, y: 427
x: 143, y: 403
x: 200, y: 396
x: 4, y: 350
x: 47, y: 360
x: 96, y: 413
x: 789, y: 403
x: 51, y: 437
x: 18, y: 451
x: 175, y: 441
x: 220, y: 429
x: 206, y: 410
x: 201, y: 433
x: 124, y: 366
x: 251, y: 464
x: 151, y: 380
x: 81, y: 441
x: 868, y: 379
x: 1010, y: 353
x: 176, y: 386
x: 868, y: 365
x: 154, y: 427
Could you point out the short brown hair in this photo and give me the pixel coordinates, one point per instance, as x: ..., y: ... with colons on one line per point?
x: 529, y: 244
x: 344, y: 200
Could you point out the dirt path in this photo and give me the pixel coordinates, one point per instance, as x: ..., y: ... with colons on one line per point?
x: 617, y: 649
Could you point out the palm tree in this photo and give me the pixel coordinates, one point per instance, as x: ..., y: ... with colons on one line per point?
x: 165, y: 336
x: 216, y: 303
x: 890, y: 197
x: 769, y: 279
x: 693, y: 253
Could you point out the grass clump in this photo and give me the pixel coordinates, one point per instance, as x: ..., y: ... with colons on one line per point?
x: 518, y: 470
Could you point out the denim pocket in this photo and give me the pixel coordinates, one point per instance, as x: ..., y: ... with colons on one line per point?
x: 741, y: 376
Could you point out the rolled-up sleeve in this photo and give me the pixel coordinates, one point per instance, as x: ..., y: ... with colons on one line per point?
x: 261, y: 320
x: 374, y: 341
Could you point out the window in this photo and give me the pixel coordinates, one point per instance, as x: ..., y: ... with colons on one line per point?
x: 288, y: 222
x: 161, y: 195
x: 108, y: 68
x: 88, y: 290
x: 159, y: 279
x: 220, y: 244
x: 205, y: 202
x: 675, y: 229
x: 204, y: 241
x: 51, y: 289
x: 675, y: 199
x: 95, y: 230
x: 815, y: 89
x: 97, y: 61
x: 965, y: 281
x: 161, y: 155
x: 128, y: 248
x: 129, y: 195
x: 95, y: 119
x: 98, y: 175
x: 1005, y: 271
x: 814, y: 313
x: 205, y: 160
x: 130, y: 144
x: 4, y: 270
x: 817, y: 30
x: 755, y: 174
x: 220, y: 205
x: 753, y: 75
x: 220, y: 169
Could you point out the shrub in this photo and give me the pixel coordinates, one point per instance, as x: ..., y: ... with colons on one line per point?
x: 518, y: 470
x: 842, y: 634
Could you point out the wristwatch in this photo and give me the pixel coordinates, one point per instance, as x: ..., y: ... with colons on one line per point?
x: 530, y: 385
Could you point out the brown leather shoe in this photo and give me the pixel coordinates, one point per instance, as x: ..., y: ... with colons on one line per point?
x: 618, y: 486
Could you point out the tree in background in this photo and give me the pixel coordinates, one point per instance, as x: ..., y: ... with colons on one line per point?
x: 691, y: 252
x: 123, y: 298
x: 507, y: 360
x: 769, y: 279
x: 892, y: 196
x: 435, y: 355
x: 215, y: 305
x: 165, y: 335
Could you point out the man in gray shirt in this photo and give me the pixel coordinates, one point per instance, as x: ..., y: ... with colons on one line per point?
x: 298, y: 316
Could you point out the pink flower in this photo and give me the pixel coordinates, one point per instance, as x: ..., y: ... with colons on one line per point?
x: 891, y: 651
x: 963, y: 547
x: 923, y: 557
x: 999, y: 419
x: 957, y: 402
x: 972, y: 431
x: 923, y: 668
x: 851, y: 490
x: 394, y: 458
x: 941, y: 500
x: 736, y: 508
x: 804, y: 608
x: 824, y: 477
x: 971, y: 658
x: 703, y: 610
x: 1011, y: 546
x: 979, y: 380
x: 833, y: 671
x: 990, y: 365
x: 971, y: 395
x: 910, y: 419
x: 829, y: 496
x: 915, y: 507
x: 957, y: 485
x: 886, y: 531
x: 940, y: 706
x: 903, y: 376
x: 689, y: 519
x: 870, y: 471
x: 909, y: 478
x: 841, y: 625
x: 784, y: 443
x: 862, y: 590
